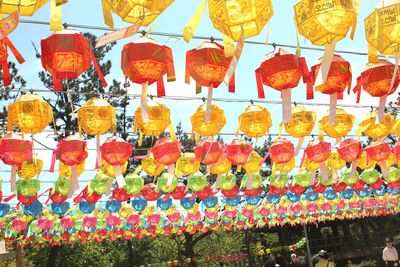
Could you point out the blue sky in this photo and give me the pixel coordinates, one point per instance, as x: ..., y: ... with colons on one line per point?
x: 282, y: 31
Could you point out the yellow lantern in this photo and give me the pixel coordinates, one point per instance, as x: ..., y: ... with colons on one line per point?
x: 30, y: 169
x: 382, y: 29
x: 254, y: 163
x: 151, y: 167
x: 221, y: 167
x: 187, y: 164
x: 342, y: 126
x: 108, y: 169
x: 153, y: 121
x: 255, y: 121
x: 301, y: 124
x: 325, y: 23
x: 30, y: 113
x: 97, y: 116
x: 364, y: 163
x: 211, y: 127
x: 335, y: 163
x: 133, y: 11
x: 283, y: 168
x: 396, y: 128
x: 376, y: 130
x: 310, y: 165
x: 66, y: 171
x: 234, y: 17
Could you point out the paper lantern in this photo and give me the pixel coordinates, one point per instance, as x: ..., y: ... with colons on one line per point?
x: 153, y: 121
x: 396, y: 151
x: 379, y: 80
x: 116, y: 151
x: 30, y: 113
x: 350, y: 151
x: 166, y: 183
x: 207, y: 65
x: 283, y: 167
x: 149, y: 192
x: 251, y: 181
x: 28, y: 187
x: 370, y: 176
x: 66, y: 171
x: 228, y: 16
x: 254, y: 163
x: 301, y: 124
x: 337, y: 80
x: 133, y: 183
x: 97, y: 116
x: 379, y: 151
x: 210, y: 127
x: 166, y: 151
x: 208, y: 152
x: 319, y: 151
x: 281, y: 71
x: 374, y: 129
x: 134, y: 11
x: 150, y: 166
x: 14, y: 150
x: 197, y: 182
x: 238, y: 152
x: 341, y: 127
x: 255, y: 121
x: 108, y: 169
x: 179, y: 192
x: 187, y: 164
x: 281, y: 151
x: 5, y: 43
x: 335, y: 163
x: 66, y: 55
x: 30, y: 168
x: 364, y: 162
x: 223, y: 166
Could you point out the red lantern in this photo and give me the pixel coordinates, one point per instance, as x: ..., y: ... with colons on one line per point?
x: 252, y: 192
x: 149, y: 192
x: 26, y: 200
x: 66, y: 55
x: 4, y: 44
x: 180, y: 191
x: 379, y: 151
x: 297, y: 189
x: 57, y: 198
x: 13, y: 151
x: 350, y: 150
x: 116, y: 151
x: 334, y: 84
x: 208, y: 152
x: 277, y: 191
x: 238, y: 152
x: 318, y: 187
x: 146, y: 61
x: 166, y: 151
x: 281, y: 71
x: 205, y: 193
x: 377, y: 80
x: 377, y: 185
x: 396, y: 151
x: 281, y: 151
x: 120, y: 194
x: 319, y: 151
x: 207, y: 65
x: 339, y: 187
x: 232, y: 192
x: 359, y: 185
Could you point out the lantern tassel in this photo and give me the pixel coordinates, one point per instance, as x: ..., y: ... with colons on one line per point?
x: 286, y: 105
x: 381, y: 108
x: 326, y: 63
x: 260, y: 88
x: 208, y: 107
x: 191, y: 27
x: 250, y: 181
x: 324, y: 171
x: 6, y: 75
x: 53, y: 161
x: 98, y: 70
x: 118, y: 176
x: 108, y: 20
x: 332, y: 108
x: 160, y: 87
x: 170, y: 174
x: 299, y: 145
x: 215, y: 186
x: 353, y: 168
x: 14, y: 50
x: 384, y: 168
x: 13, y: 178
x: 170, y: 65
x: 73, y: 184
x: 98, y: 152
x: 143, y: 102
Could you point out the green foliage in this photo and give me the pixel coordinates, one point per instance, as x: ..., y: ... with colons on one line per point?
x: 368, y: 264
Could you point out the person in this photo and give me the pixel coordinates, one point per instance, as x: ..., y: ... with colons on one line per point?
x: 293, y: 261
x: 390, y: 255
x: 324, y: 260
x: 280, y: 260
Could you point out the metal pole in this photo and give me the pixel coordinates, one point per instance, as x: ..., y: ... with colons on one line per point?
x: 310, y: 263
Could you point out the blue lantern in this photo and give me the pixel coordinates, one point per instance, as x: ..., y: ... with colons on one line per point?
x: 252, y: 200
x: 273, y: 198
x: 188, y: 202
x: 113, y: 205
x: 379, y: 192
x: 347, y: 193
x: 293, y: 197
x: 329, y: 193
x: 366, y: 192
x: 233, y: 201
x: 139, y: 203
x: 164, y: 204
x: 60, y: 209
x: 34, y: 209
x: 210, y: 202
x: 86, y: 207
x: 4, y: 209
x: 310, y: 194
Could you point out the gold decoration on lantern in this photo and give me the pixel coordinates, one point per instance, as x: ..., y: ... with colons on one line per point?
x: 342, y: 126
x: 154, y: 121
x: 255, y: 121
x: 211, y: 127
x: 187, y: 164
x: 97, y: 116
x: 30, y: 169
x: 375, y: 130
x: 25, y: 8
x: 221, y: 167
x: 151, y: 167
x: 236, y: 16
x: 30, y: 113
x: 66, y: 171
x: 108, y: 169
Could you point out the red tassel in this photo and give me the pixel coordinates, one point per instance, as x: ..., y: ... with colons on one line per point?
x: 160, y: 87
x: 79, y: 197
x: 304, y: 69
x: 340, y: 95
x: 260, y: 87
x: 170, y: 65
x: 53, y: 161
x: 232, y: 86
x: 6, y: 73
x: 14, y: 50
x: 7, y: 199
x: 187, y: 68
x: 310, y: 90
x: 98, y: 70
x: 360, y: 83
x: 57, y: 85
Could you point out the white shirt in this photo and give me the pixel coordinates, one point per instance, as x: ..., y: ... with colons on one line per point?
x: 390, y: 254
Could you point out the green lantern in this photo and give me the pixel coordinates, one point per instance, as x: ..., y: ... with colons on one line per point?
x: 62, y: 186
x: 255, y: 180
x: 303, y: 179
x: 100, y: 184
x: 28, y: 187
x: 370, y: 176
x: 227, y: 182
x: 326, y: 181
x: 133, y: 183
x: 347, y: 178
x: 393, y: 175
x: 279, y: 180
x: 166, y: 183
x: 197, y: 183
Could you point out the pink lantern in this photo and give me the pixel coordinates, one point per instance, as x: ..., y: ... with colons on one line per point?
x: 379, y: 151
x: 350, y: 151
x: 238, y: 152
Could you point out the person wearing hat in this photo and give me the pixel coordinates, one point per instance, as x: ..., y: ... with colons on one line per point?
x: 324, y: 260
x: 293, y: 261
x: 390, y: 255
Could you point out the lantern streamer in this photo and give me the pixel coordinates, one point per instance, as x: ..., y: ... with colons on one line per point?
x: 326, y: 64
x: 332, y: 108
x: 108, y: 20
x: 191, y: 27
x: 229, y: 47
x: 286, y: 105
x: 13, y: 178
x: 55, y: 16
x: 209, y: 99
x: 118, y: 176
x: 143, y: 102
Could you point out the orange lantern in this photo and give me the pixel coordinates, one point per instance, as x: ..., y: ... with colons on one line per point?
x: 337, y: 80
x: 319, y: 152
x: 377, y: 79
x: 340, y: 127
x: 281, y: 151
x: 210, y: 127
x: 208, y: 152
x: 4, y: 44
x: 207, y: 65
x: 14, y: 150
x: 238, y: 152
x: 350, y: 151
x: 66, y: 55
x: 116, y: 151
x: 374, y: 129
x: 379, y: 151
x: 281, y: 71
x: 255, y: 121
